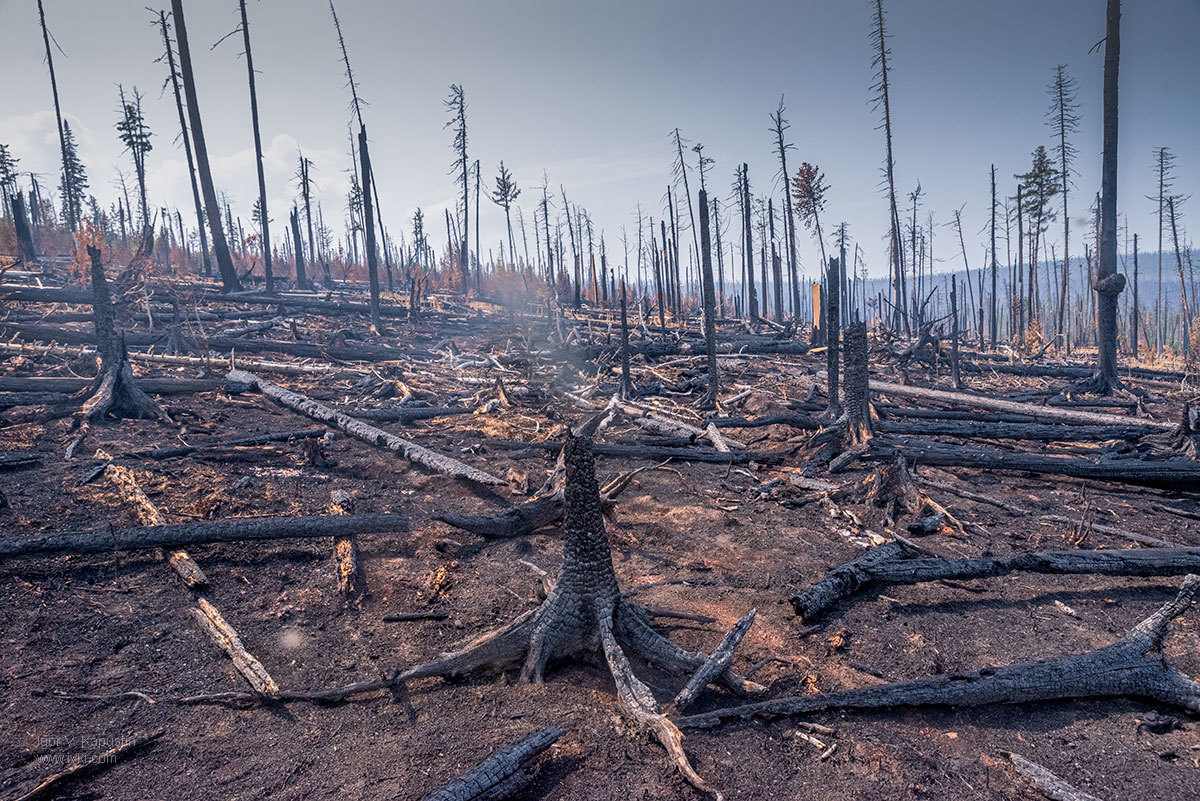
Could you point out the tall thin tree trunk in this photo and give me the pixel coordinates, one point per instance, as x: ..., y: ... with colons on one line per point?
x: 68, y: 178
x: 368, y: 179
x: 709, y: 302
x: 1108, y: 282
x: 264, y: 217
x: 229, y: 278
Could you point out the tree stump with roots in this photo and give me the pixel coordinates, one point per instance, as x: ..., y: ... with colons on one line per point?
x: 586, y: 611
x: 114, y: 391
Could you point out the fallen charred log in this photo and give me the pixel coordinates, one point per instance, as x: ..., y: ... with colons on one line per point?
x: 181, y: 534
x: 1122, y: 669
x: 896, y: 563
x: 502, y: 774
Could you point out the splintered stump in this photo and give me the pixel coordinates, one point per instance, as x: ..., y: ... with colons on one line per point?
x: 846, y: 439
x: 586, y: 609
x: 1131, y: 667
x: 502, y: 774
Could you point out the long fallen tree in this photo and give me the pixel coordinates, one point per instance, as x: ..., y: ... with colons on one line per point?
x: 1133, y: 666
x: 239, y: 529
x: 940, y: 454
x: 418, y: 454
x: 896, y: 563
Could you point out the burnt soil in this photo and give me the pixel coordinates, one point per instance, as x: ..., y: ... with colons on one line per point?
x: 116, y: 622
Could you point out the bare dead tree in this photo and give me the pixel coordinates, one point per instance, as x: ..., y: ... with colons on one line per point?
x: 68, y: 186
x: 1063, y: 118
x: 173, y: 78
x: 264, y: 216
x: 457, y: 104
x: 229, y: 277
x: 883, y: 98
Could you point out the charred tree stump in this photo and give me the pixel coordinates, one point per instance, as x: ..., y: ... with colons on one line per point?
x: 502, y: 774
x: 896, y: 563
x: 584, y: 607
x: 114, y: 390
x: 1133, y: 666
x: 352, y: 584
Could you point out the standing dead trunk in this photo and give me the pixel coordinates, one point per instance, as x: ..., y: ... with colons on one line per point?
x: 22, y: 229
x: 67, y: 176
x: 187, y: 141
x: 368, y: 178
x: 1109, y: 283
x: 955, y: 374
x: 301, y: 275
x: 1135, y: 312
x: 626, y: 390
x: 856, y: 394
x: 749, y: 247
x: 264, y: 218
x: 229, y: 278
x: 833, y: 284
x: 710, y: 304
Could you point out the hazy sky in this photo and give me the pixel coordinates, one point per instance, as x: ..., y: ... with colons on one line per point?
x: 589, y: 91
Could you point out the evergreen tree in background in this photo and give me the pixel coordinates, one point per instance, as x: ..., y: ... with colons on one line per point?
x: 73, y: 189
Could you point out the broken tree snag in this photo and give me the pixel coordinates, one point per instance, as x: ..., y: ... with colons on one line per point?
x: 503, y: 773
x: 1133, y: 666
x: 856, y: 394
x: 1047, y: 783
x: 586, y: 605
x: 97, y: 762
x: 114, y: 391
x: 183, y: 565
x: 626, y: 389
x: 894, y: 563
x: 227, y: 640
x: 181, y: 534
x: 352, y: 583
x: 369, y: 434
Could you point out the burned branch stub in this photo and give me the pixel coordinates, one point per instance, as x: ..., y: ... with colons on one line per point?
x: 856, y: 393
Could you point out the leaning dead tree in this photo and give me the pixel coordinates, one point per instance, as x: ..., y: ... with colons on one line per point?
x: 229, y: 277
x: 586, y: 606
x: 1134, y: 666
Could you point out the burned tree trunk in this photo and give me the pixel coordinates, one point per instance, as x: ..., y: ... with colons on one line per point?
x: 229, y: 277
x: 502, y: 774
x: 626, y: 389
x: 586, y: 606
x: 857, y: 393
x: 895, y: 563
x: 710, y: 305
x: 833, y: 316
x: 301, y: 274
x: 23, y: 231
x: 114, y: 391
x: 368, y: 179
x: 264, y: 217
x: 955, y: 372
x: 1122, y: 669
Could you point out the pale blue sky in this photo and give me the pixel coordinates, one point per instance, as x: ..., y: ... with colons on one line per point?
x: 590, y: 91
